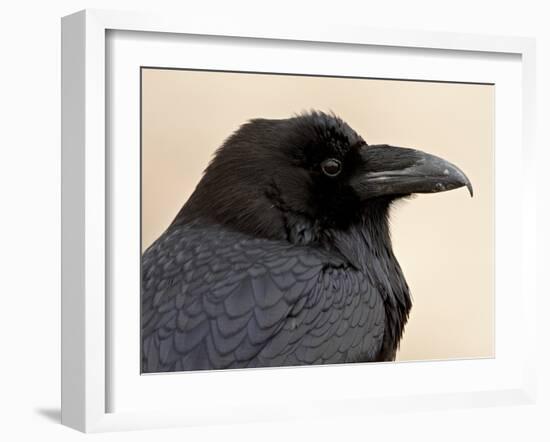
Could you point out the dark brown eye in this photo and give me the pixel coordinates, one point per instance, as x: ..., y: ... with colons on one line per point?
x: 331, y: 167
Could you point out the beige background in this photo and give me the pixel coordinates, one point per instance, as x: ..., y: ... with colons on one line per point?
x: 443, y: 241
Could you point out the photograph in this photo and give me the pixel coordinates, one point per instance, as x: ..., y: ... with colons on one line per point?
x: 303, y: 220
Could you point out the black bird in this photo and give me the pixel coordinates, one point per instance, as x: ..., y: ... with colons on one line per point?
x: 282, y: 255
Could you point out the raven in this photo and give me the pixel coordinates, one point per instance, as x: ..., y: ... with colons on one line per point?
x: 282, y: 254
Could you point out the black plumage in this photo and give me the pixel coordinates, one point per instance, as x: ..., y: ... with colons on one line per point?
x: 282, y: 255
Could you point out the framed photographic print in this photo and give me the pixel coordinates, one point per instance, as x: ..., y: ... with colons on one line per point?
x: 250, y: 213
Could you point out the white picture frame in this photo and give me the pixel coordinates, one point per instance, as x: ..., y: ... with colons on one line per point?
x: 87, y: 231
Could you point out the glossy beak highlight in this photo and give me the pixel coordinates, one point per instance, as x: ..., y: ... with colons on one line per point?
x: 399, y: 171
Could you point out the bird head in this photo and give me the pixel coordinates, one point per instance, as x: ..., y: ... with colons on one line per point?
x: 309, y: 173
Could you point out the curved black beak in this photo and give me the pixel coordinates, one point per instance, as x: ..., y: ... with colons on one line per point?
x: 390, y: 170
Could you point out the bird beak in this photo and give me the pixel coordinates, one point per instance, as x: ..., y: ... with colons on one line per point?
x: 395, y: 171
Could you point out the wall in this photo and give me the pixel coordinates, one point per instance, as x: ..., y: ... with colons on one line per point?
x: 29, y: 181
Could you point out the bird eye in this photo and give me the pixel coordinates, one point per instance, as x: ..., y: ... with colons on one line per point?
x: 331, y: 167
